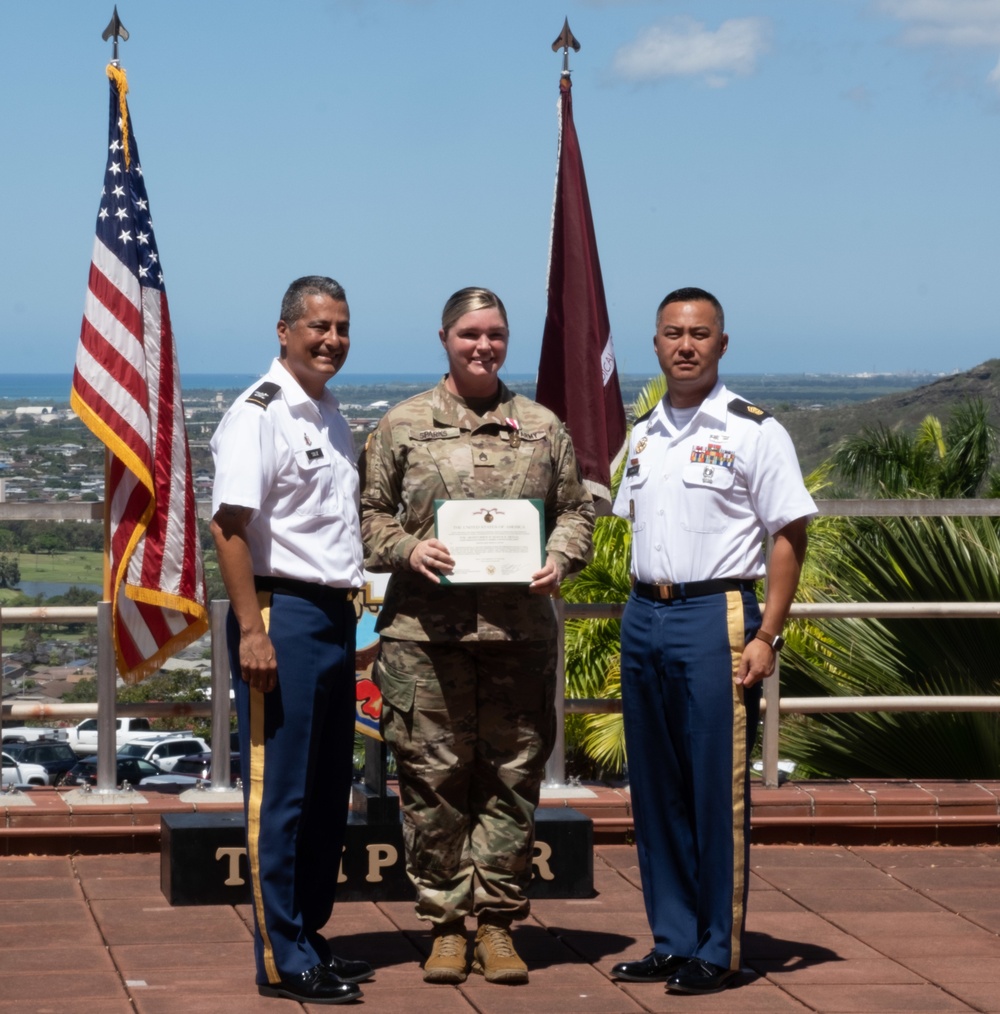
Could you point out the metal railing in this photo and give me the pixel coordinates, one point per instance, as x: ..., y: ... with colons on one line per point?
x: 773, y: 705
x: 107, y: 709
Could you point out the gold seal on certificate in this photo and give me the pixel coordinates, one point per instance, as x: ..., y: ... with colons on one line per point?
x: 491, y: 540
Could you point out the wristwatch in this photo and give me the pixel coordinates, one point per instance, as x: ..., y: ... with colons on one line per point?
x: 776, y: 641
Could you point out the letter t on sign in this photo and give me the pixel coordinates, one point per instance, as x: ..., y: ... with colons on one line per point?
x: 233, y: 855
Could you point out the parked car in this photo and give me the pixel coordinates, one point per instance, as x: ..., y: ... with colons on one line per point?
x: 56, y: 756
x: 189, y: 771
x: 83, y: 737
x: 30, y: 733
x: 15, y: 773
x: 129, y: 769
x: 164, y: 749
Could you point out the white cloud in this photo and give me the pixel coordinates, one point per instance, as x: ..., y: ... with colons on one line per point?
x: 683, y: 47
x: 948, y: 24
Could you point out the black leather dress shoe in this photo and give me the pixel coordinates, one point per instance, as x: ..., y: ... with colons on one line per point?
x: 349, y: 970
x: 652, y: 968
x: 318, y: 985
x: 697, y: 976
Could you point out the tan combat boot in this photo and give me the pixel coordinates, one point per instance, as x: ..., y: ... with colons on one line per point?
x: 447, y: 961
x: 496, y: 958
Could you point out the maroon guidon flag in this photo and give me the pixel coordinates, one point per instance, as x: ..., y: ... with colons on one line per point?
x: 577, y: 375
x: 127, y: 389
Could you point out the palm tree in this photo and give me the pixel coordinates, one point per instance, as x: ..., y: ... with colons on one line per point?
x: 901, y: 560
x: 947, y: 461
x: 593, y: 646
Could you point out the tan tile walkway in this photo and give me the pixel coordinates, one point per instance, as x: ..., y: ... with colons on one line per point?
x: 832, y: 929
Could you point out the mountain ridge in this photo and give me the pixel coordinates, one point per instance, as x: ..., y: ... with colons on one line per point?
x: 816, y: 432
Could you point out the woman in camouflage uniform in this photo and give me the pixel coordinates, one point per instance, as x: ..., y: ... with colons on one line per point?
x: 467, y: 672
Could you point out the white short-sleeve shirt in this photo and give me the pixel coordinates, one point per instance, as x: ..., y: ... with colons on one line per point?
x: 290, y: 459
x: 702, y: 497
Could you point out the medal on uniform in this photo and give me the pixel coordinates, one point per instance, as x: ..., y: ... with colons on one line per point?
x: 515, y: 437
x: 640, y: 445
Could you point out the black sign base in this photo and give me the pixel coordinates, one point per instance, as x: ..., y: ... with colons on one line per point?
x: 203, y: 859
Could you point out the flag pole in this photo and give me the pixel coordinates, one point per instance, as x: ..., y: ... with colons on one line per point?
x: 107, y: 695
x: 555, y: 766
x: 115, y: 31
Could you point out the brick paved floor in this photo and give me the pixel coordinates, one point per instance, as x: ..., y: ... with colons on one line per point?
x: 832, y: 929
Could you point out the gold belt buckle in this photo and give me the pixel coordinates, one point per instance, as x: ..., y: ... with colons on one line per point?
x: 666, y: 591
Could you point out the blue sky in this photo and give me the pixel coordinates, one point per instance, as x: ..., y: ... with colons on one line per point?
x: 827, y: 167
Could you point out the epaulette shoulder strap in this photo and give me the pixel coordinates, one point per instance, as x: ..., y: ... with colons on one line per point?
x: 263, y: 394
x: 645, y: 415
x: 743, y: 408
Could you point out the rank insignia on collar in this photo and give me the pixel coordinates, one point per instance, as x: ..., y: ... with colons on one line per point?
x: 640, y: 445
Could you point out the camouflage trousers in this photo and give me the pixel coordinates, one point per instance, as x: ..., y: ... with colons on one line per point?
x: 471, y: 725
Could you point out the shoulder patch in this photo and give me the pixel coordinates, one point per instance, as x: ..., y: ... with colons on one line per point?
x: 646, y: 415
x: 743, y: 408
x: 263, y: 394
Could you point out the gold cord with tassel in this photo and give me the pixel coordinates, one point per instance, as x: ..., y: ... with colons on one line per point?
x: 118, y: 76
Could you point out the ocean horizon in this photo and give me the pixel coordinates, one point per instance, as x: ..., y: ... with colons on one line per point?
x: 55, y: 387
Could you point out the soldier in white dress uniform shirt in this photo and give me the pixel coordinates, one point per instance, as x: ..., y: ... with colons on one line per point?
x: 288, y: 535
x: 708, y: 477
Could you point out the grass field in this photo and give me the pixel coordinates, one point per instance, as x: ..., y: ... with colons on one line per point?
x: 68, y: 568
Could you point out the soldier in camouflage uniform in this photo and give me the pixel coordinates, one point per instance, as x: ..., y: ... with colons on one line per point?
x: 467, y: 672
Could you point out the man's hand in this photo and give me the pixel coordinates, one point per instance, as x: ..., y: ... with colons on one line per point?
x: 756, y: 664
x: 258, y: 665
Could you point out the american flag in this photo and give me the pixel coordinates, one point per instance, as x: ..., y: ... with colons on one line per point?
x: 126, y: 388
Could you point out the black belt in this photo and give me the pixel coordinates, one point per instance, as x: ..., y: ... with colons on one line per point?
x: 689, y: 589
x: 305, y: 589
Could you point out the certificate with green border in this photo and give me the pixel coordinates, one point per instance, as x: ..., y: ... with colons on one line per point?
x: 491, y: 541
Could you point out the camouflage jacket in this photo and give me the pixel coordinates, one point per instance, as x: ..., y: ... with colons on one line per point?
x: 434, y: 447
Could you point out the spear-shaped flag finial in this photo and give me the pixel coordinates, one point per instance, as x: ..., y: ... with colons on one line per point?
x: 117, y: 31
x: 564, y: 42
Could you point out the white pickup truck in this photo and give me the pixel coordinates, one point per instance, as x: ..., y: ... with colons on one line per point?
x: 30, y: 733
x: 83, y: 737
